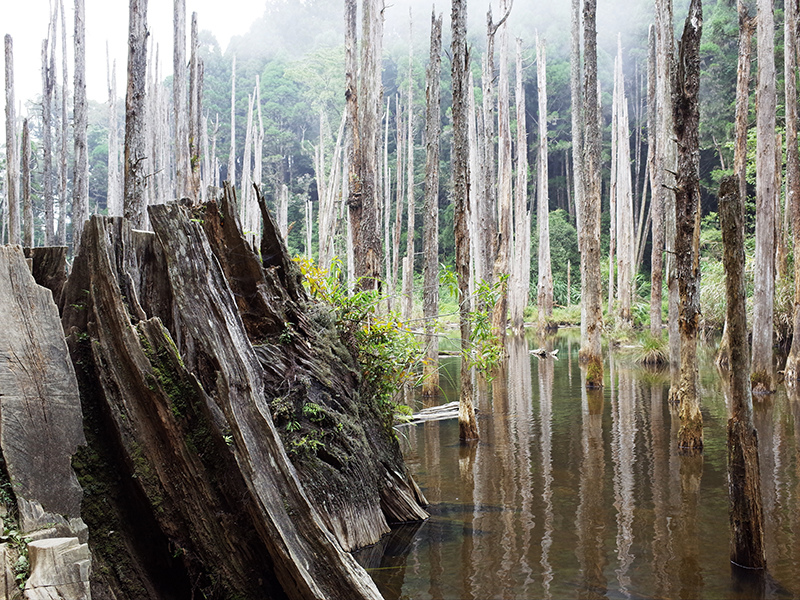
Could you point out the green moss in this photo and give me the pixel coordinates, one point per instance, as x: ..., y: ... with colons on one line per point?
x: 594, y: 372
x: 761, y: 382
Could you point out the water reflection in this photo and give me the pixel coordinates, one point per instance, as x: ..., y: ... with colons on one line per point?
x: 572, y: 494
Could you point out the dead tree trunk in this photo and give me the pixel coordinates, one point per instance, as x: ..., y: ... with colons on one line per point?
x: 430, y: 288
x: 398, y: 211
x: 195, y: 111
x: 12, y: 175
x: 792, y: 369
x: 62, y: 188
x: 232, y: 151
x: 577, y: 124
x: 591, y: 352
x: 504, y: 188
x: 657, y: 194
x: 48, y: 83
x: 135, y: 151
x: 27, y: 201
x: 468, y: 427
x: 686, y: 87
x: 613, y: 190
x: 545, y: 287
x: 80, y: 179
x: 179, y: 100
x: 408, y: 264
x: 625, y: 234
x: 114, y: 194
x: 744, y: 481
x: 248, y: 208
x: 763, y: 294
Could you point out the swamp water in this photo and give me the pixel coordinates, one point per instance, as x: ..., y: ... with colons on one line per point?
x: 572, y: 494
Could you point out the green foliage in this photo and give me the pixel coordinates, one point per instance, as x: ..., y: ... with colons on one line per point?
x: 563, y: 252
x: 19, y: 544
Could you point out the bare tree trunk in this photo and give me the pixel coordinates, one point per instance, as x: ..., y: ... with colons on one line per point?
x: 135, y: 153
x: 179, y: 77
x: 114, y: 193
x: 195, y: 111
x: 12, y: 175
x: 591, y: 352
x: 763, y: 295
x: 80, y: 178
x: 62, y: 188
x: 504, y: 191
x: 387, y: 204
x: 781, y: 256
x: 27, y: 204
x: 232, y: 151
x: 744, y: 481
x: 363, y: 198
x: 792, y: 369
x: 577, y: 123
x: 430, y: 294
x: 48, y: 83
x: 686, y: 87
x: 545, y: 286
x: 408, y: 264
x: 612, y: 197
x: 625, y: 253
x: 657, y: 194
x: 327, y: 211
x: 477, y: 193
x: 248, y: 204
x: 746, y: 28
x: 468, y: 427
x: 398, y: 212
x: 254, y: 224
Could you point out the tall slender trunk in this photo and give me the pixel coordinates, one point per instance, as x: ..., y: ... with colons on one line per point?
x: 80, y: 179
x: 504, y: 188
x: 763, y: 295
x: 179, y: 77
x: 545, y: 285
x: 114, y: 193
x: 27, y: 201
x: 62, y: 188
x: 48, y: 83
x: 12, y: 193
x: 398, y: 212
x: 591, y: 352
x: 283, y: 210
x: 792, y: 370
x: 477, y: 193
x: 613, y: 192
x: 625, y: 237
x: 468, y: 426
x: 657, y: 194
x: 195, y: 111
x: 248, y: 201
x: 232, y: 151
x: 135, y: 152
x: 686, y: 115
x: 387, y: 203
x: 408, y: 264
x: 576, y: 120
x: 744, y: 481
x: 430, y: 289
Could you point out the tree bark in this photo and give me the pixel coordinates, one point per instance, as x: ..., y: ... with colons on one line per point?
x: 504, y: 187
x: 468, y: 426
x: 744, y: 481
x: 62, y: 189
x: 398, y: 211
x: 577, y: 125
x: 12, y: 174
x: 80, y: 180
x: 625, y: 234
x: 613, y: 191
x: 686, y: 87
x: 408, y: 264
x: 195, y: 111
x: 48, y: 83
x: 135, y: 151
x: 792, y: 369
x: 763, y: 294
x: 114, y: 194
x: 657, y: 195
x: 544, y: 294
x: 591, y: 352
x: 232, y: 151
x: 430, y: 295
x: 248, y: 208
x: 179, y: 76
x: 27, y: 201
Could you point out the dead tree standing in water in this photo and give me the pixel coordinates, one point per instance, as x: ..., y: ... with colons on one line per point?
x: 686, y: 117
x: 430, y: 294
x: 468, y: 427
x: 744, y: 481
x: 792, y: 370
x: 545, y: 285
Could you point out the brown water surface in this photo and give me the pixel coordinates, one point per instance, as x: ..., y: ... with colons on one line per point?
x: 576, y: 495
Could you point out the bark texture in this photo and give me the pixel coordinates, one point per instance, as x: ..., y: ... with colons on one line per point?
x: 135, y: 125
x: 62, y: 187
x: 764, y: 288
x: 468, y: 426
x: 657, y: 195
x: 232, y: 152
x: 686, y: 88
x: 430, y: 293
x: 48, y: 87
x: 544, y: 295
x: 744, y: 480
x: 80, y: 180
x: 114, y: 193
x: 179, y: 100
x: 590, y: 230
x: 27, y: 200
x: 12, y: 173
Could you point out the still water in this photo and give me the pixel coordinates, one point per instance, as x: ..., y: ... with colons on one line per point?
x: 576, y: 495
